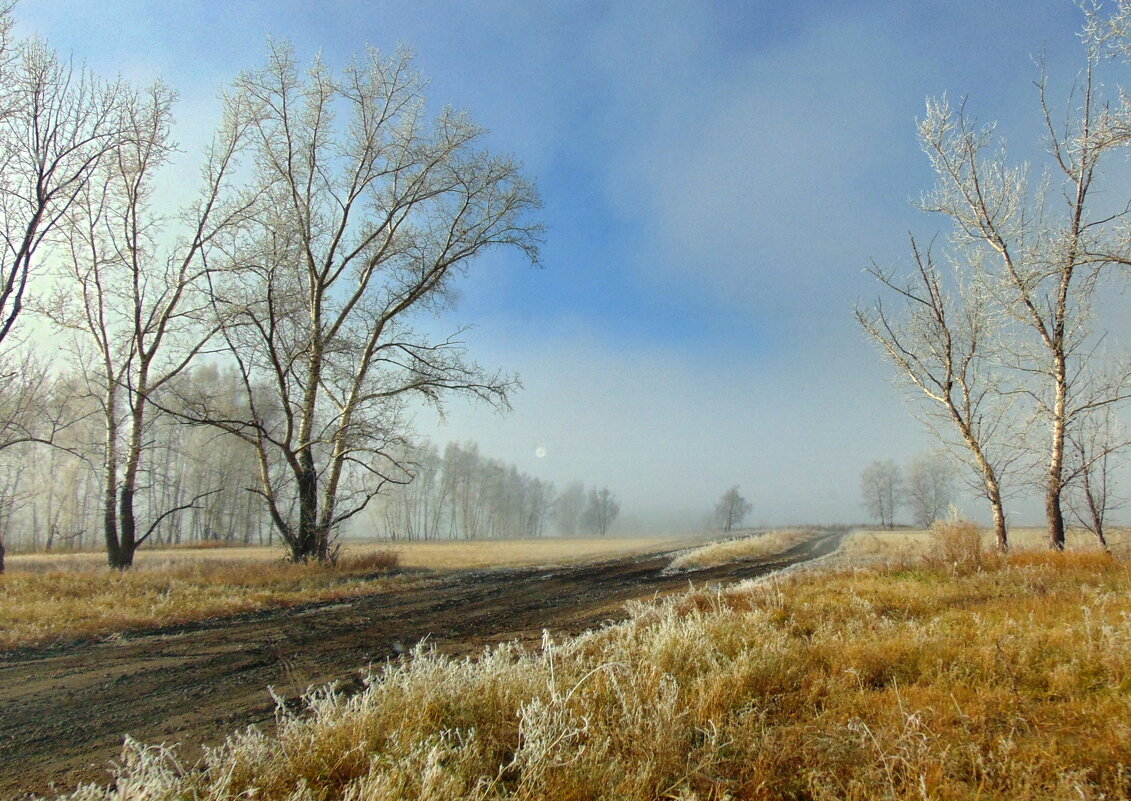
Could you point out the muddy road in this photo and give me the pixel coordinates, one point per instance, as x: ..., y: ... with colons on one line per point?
x: 64, y: 711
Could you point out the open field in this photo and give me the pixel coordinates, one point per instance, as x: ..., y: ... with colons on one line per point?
x: 435, y: 555
x: 910, y: 544
x: 1010, y: 681
x: 58, y: 597
x: 913, y: 678
x: 518, y: 553
x: 66, y: 708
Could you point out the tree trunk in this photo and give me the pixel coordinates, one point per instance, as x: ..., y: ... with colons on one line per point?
x: 1, y: 553
x: 1096, y: 511
x: 110, y: 477
x: 110, y: 519
x: 127, y: 519
x: 1055, y: 486
x: 997, y: 507
x: 304, y: 542
x: 110, y: 530
x: 999, y: 521
x: 127, y: 528
x: 1053, y: 512
x: 1055, y: 516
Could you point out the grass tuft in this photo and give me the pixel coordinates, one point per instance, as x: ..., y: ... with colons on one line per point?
x: 955, y: 545
x: 381, y: 561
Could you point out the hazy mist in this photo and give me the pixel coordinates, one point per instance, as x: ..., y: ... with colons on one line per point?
x: 715, y: 176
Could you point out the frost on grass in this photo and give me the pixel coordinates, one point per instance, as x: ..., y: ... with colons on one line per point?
x: 1008, y: 680
x: 735, y: 550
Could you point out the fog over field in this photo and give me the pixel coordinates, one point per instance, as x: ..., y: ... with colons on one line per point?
x: 716, y: 176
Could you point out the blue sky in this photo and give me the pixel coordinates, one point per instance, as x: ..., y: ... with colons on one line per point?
x: 716, y: 175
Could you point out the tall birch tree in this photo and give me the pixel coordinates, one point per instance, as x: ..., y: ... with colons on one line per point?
x: 1041, y: 255
x: 943, y: 345
x: 1036, y: 251
x: 132, y: 295
x: 58, y: 124
x: 370, y: 208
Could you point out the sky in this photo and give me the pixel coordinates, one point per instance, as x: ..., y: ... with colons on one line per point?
x: 716, y: 177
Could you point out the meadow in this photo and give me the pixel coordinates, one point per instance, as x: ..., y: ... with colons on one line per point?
x: 935, y: 677
x: 886, y: 545
x: 51, y: 598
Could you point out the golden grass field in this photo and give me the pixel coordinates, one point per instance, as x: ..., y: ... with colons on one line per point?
x: 733, y: 550
x: 985, y: 678
x: 48, y: 598
x: 872, y: 544
x: 434, y: 555
x: 518, y: 553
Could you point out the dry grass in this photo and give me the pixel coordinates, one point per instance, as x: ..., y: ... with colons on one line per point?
x: 727, y: 551
x: 901, y: 545
x: 518, y: 553
x: 956, y: 546
x: 66, y: 599
x: 1012, y: 681
x: 47, y: 598
x: 435, y: 555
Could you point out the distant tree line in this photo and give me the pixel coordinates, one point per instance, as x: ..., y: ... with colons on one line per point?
x: 51, y: 499
x: 461, y: 494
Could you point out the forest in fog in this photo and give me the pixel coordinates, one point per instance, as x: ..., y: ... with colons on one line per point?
x: 50, y: 498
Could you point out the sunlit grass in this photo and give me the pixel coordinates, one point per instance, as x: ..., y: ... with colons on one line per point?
x: 1012, y: 680
x: 447, y: 555
x: 47, y: 598
x: 50, y: 605
x: 432, y: 555
x: 735, y: 550
x: 902, y: 544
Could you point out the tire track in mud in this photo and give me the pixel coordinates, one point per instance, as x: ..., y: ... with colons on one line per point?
x: 64, y: 711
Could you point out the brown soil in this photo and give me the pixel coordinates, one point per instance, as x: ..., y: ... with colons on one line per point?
x: 64, y: 711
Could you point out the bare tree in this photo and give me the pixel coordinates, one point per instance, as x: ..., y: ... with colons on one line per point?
x: 1040, y: 250
x: 601, y: 510
x: 187, y: 462
x: 32, y: 412
x: 462, y: 482
x: 568, y: 507
x: 537, y: 505
x: 57, y: 125
x: 943, y: 345
x: 416, y: 510
x: 370, y: 208
x: 473, y: 496
x: 881, y: 487
x: 1094, y: 446
x: 731, y: 509
x: 929, y: 488
x: 134, y: 307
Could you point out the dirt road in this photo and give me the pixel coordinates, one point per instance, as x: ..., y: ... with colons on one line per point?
x: 64, y: 711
